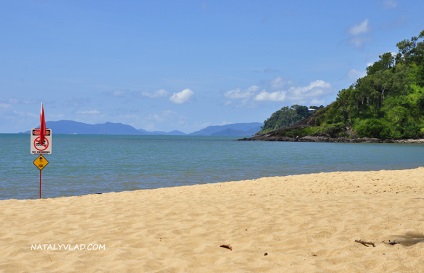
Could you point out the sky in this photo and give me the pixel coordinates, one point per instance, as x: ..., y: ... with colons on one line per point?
x: 163, y: 65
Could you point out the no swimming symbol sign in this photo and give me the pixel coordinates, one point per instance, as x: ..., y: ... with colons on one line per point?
x: 38, y: 146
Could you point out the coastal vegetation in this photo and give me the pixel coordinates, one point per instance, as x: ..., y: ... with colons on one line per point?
x: 387, y: 103
x: 287, y: 116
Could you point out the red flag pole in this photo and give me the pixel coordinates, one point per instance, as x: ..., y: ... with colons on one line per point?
x: 42, y: 125
x: 42, y: 137
x: 40, y: 182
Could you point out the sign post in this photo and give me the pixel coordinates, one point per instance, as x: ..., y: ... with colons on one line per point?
x: 41, y: 143
x: 40, y: 162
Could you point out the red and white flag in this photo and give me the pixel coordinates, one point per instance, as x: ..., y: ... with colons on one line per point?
x: 42, y: 125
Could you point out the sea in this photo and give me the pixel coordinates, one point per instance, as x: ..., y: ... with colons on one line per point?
x: 95, y: 164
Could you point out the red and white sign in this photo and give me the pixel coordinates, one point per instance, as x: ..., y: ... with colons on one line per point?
x: 38, y: 146
x: 41, y: 138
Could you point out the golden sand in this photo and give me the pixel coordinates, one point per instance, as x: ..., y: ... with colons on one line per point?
x: 325, y: 222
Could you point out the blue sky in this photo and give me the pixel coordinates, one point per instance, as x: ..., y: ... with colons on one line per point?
x: 187, y: 64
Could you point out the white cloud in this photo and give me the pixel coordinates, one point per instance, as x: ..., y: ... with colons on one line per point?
x: 314, y: 89
x: 271, y: 96
x: 313, y: 86
x: 156, y: 94
x: 241, y: 94
x: 295, y: 93
x: 181, y: 97
x: 277, y: 83
x: 280, y: 90
x: 358, y: 32
x: 89, y: 112
x: 359, y: 28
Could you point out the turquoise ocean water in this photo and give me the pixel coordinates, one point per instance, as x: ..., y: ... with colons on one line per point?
x: 87, y: 164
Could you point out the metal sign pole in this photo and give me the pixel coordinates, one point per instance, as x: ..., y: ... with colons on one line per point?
x: 40, y: 162
x: 40, y: 181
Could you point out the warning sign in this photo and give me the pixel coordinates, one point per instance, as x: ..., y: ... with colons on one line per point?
x: 40, y: 162
x: 38, y: 147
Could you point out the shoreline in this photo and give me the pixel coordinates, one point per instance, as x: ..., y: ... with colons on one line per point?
x: 330, y: 139
x: 352, y: 221
x: 202, y: 184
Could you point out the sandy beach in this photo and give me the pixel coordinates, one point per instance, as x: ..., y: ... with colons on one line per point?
x: 325, y: 222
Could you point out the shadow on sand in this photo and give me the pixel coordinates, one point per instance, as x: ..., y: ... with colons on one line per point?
x: 408, y: 239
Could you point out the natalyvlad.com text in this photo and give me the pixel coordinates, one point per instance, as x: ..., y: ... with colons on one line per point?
x: 68, y: 247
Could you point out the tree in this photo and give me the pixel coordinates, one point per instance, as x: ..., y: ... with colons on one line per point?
x: 386, y: 61
x: 386, y: 103
x: 285, y: 117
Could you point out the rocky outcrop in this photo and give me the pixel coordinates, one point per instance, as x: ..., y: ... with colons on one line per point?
x: 328, y: 139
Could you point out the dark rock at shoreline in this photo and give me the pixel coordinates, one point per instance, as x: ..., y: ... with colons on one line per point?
x: 328, y: 139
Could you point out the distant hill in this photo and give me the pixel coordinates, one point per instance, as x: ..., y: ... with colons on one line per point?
x: 74, y: 127
x: 109, y: 128
x: 158, y: 133
x: 236, y: 129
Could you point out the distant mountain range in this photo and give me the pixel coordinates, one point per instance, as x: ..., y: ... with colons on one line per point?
x: 109, y: 128
x: 236, y: 129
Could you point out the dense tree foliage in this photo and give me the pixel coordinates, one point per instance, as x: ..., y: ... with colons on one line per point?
x: 387, y: 103
x: 285, y: 117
